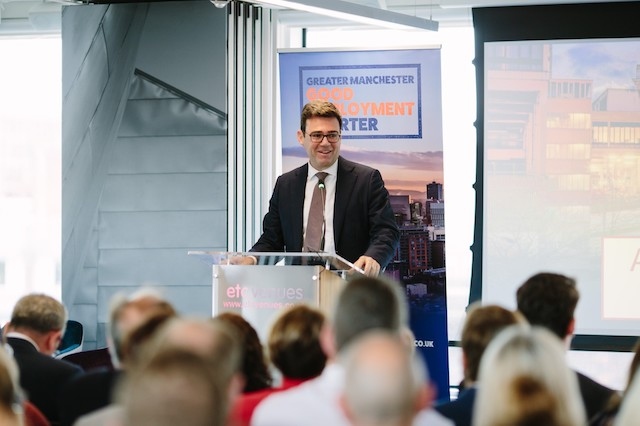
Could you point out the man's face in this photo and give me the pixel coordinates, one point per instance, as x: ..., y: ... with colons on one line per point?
x: 324, y: 153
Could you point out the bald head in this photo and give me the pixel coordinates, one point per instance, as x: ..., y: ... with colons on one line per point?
x: 175, y: 386
x: 210, y: 338
x: 384, y: 383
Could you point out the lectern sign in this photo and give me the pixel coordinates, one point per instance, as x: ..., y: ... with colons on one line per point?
x: 259, y: 292
x: 279, y: 280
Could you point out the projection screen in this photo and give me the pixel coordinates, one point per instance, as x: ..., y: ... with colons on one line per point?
x: 558, y: 183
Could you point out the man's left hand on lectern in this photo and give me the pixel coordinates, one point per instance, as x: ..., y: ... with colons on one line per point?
x: 369, y: 266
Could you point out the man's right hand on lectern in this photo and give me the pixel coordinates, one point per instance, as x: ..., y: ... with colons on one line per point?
x: 242, y: 260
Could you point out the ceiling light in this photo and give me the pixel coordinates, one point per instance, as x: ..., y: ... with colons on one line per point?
x: 220, y: 3
x: 355, y: 12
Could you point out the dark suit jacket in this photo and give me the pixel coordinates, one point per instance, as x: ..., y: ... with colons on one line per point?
x: 363, y: 221
x: 459, y: 411
x: 86, y: 393
x: 41, y: 376
x: 594, y: 395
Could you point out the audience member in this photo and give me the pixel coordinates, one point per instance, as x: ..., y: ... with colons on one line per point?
x: 174, y: 387
x: 365, y: 303
x: 385, y: 384
x: 132, y: 354
x: 93, y: 391
x: 294, y: 344
x: 607, y: 416
x: 550, y: 300
x: 129, y: 313
x: 10, y: 394
x: 629, y: 411
x: 480, y: 326
x: 134, y: 344
x: 294, y: 349
x: 34, y: 333
x: 254, y: 364
x: 526, y: 381
x: 210, y: 338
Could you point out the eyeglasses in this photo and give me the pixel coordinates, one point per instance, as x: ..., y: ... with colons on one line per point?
x: 317, y: 137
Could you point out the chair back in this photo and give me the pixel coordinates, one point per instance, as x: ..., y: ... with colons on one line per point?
x: 71, y: 340
x: 95, y: 359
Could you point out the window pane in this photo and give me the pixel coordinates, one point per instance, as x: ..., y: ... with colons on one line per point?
x: 30, y: 117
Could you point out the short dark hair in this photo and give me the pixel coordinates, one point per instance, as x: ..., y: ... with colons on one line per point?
x: 294, y: 342
x: 319, y: 108
x: 368, y: 303
x: 549, y: 300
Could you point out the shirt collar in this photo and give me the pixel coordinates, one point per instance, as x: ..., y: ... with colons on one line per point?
x: 21, y: 336
x: 331, y: 170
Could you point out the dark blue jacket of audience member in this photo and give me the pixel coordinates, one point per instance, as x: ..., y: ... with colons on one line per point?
x: 461, y: 409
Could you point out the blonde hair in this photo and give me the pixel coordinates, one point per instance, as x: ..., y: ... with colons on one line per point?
x: 629, y: 413
x: 524, y: 380
x: 10, y: 392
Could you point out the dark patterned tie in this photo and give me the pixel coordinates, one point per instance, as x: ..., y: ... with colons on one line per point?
x: 314, y: 235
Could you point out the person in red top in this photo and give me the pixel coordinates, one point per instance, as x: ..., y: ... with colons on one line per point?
x: 294, y: 349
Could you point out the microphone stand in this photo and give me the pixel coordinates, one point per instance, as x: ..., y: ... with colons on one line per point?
x: 324, y: 223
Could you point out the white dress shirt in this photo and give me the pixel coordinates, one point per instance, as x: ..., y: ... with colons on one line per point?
x: 316, y: 403
x: 330, y: 192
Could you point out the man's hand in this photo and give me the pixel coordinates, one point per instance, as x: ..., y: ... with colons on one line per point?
x: 369, y: 265
x: 242, y: 260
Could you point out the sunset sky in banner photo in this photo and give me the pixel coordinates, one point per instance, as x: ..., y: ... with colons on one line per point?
x: 391, y: 106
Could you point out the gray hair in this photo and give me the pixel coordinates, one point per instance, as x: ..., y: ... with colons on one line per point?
x: 40, y: 313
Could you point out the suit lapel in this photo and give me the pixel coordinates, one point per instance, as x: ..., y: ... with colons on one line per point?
x: 298, y: 184
x: 345, y: 183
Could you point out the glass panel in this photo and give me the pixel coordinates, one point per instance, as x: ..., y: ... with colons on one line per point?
x: 29, y: 167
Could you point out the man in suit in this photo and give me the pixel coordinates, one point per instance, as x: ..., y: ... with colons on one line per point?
x: 549, y: 300
x: 359, y: 224
x: 480, y: 327
x: 34, y: 332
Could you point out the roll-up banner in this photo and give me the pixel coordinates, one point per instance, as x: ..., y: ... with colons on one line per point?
x: 391, y: 105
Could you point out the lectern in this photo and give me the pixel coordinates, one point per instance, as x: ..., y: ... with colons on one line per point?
x: 278, y: 280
